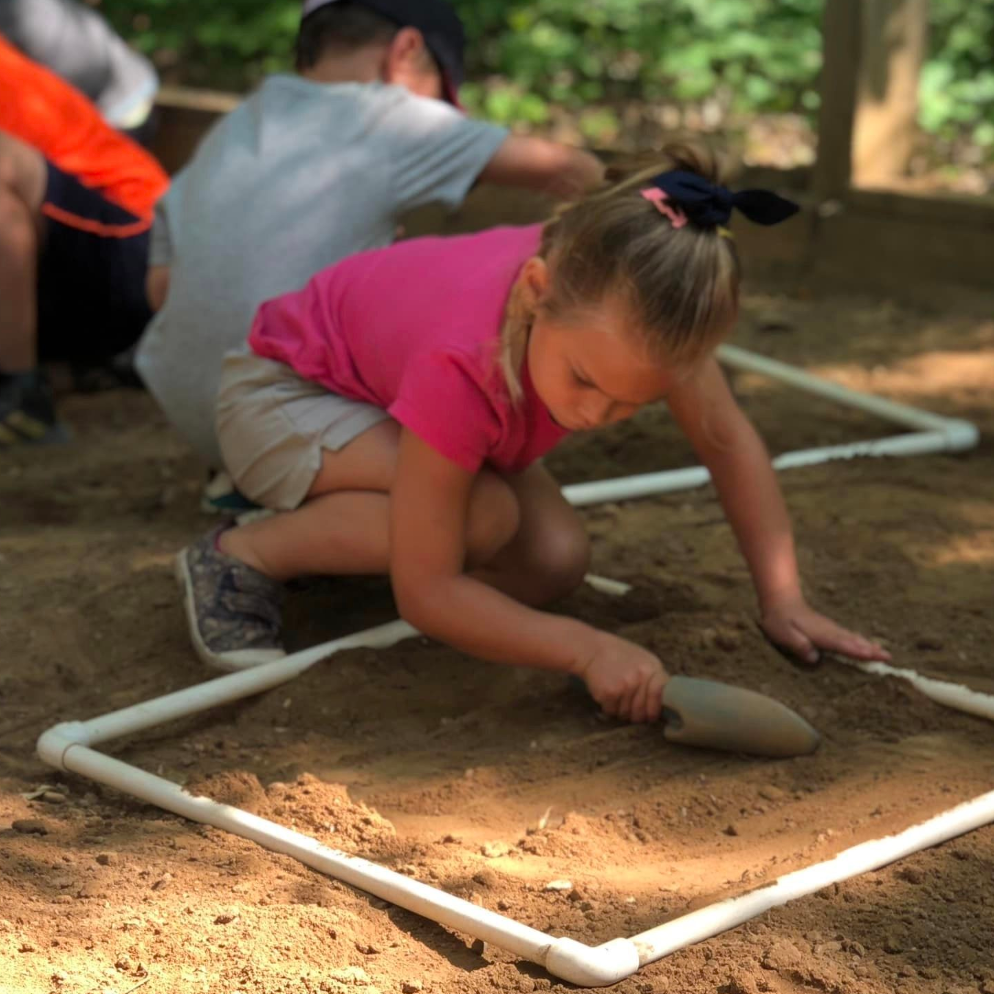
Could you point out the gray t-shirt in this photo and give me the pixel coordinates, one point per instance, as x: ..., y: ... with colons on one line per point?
x: 295, y: 178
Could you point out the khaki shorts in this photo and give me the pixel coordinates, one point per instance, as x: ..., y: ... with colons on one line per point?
x: 272, y: 426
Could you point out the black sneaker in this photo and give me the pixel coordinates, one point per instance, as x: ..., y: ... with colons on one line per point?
x: 233, y: 610
x: 27, y: 410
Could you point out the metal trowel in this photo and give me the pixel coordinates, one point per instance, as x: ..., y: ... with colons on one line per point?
x: 719, y: 716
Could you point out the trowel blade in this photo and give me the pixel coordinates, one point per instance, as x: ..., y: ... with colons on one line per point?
x: 717, y: 715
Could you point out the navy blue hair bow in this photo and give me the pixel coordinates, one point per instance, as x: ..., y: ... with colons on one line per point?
x: 709, y: 205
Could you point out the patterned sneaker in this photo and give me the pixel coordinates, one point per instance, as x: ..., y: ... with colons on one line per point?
x: 233, y: 610
x: 27, y: 411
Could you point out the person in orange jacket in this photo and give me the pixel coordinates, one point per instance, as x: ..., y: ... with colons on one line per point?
x: 76, y: 206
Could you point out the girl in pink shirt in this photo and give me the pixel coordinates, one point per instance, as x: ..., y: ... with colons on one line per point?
x: 396, y: 407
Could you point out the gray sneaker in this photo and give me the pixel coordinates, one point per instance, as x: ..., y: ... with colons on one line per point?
x: 233, y: 610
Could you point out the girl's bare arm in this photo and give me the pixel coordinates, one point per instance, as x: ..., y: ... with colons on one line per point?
x: 428, y: 517
x: 731, y: 449
x: 429, y: 502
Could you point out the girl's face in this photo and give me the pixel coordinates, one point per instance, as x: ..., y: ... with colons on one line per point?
x: 591, y: 369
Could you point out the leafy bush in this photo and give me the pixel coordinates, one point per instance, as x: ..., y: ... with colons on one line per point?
x: 751, y: 54
x: 529, y: 56
x: 229, y: 44
x: 957, y: 84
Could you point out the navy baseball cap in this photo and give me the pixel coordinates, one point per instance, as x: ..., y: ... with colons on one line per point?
x: 438, y: 23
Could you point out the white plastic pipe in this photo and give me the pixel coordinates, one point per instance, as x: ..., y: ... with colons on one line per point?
x: 666, y: 481
x: 602, y: 965
x: 605, y: 585
x: 245, y: 683
x: 630, y: 487
x: 66, y: 747
x: 930, y: 433
x: 959, y: 434
x: 585, y: 965
x: 702, y: 924
x: 952, y: 695
x: 220, y: 690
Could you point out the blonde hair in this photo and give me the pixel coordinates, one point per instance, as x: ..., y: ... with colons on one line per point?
x: 681, y: 285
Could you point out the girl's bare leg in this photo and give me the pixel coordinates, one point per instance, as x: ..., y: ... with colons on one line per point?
x: 522, y: 538
x: 343, y: 528
x: 550, y: 552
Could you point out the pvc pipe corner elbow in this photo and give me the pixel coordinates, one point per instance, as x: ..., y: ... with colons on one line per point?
x: 960, y: 434
x: 592, y: 966
x: 53, y: 743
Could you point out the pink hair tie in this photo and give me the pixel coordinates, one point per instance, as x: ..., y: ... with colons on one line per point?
x: 658, y: 199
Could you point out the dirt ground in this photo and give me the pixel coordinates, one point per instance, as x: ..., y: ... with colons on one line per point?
x: 491, y: 782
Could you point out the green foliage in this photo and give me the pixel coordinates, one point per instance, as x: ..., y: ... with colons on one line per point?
x: 957, y: 86
x: 228, y: 44
x: 749, y: 54
x: 592, y: 56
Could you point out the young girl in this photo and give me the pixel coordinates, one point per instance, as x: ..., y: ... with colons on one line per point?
x: 395, y: 410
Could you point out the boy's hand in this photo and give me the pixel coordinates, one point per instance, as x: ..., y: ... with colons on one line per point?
x: 802, y: 631
x: 624, y: 679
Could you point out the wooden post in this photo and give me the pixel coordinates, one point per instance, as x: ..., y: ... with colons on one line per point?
x: 840, y: 70
x: 894, y: 38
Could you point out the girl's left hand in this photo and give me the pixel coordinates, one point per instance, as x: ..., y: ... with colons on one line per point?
x: 802, y: 631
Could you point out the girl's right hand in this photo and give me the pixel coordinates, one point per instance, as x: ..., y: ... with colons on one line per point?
x: 624, y: 679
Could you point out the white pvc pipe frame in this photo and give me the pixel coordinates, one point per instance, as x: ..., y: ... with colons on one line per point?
x: 67, y: 746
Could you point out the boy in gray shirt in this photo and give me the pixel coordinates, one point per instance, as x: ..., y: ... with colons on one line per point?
x: 311, y: 168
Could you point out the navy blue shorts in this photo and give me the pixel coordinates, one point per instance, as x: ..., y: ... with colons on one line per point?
x: 91, y: 274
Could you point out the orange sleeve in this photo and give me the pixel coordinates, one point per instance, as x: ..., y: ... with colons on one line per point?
x: 46, y: 112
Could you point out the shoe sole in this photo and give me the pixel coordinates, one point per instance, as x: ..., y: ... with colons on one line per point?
x: 216, y: 661
x: 11, y: 437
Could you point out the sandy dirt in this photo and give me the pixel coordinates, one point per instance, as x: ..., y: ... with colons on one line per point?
x: 491, y: 782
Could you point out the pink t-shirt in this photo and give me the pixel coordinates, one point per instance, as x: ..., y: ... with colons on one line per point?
x: 414, y: 328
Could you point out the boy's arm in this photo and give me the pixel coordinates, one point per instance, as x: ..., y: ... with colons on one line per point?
x: 561, y: 171
x: 160, y: 255
x: 436, y: 155
x: 731, y: 449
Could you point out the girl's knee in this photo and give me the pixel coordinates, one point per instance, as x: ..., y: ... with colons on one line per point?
x: 494, y: 518
x: 561, y: 557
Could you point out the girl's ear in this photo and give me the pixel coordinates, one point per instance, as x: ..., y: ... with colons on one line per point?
x: 534, y: 282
